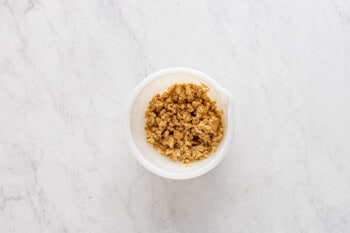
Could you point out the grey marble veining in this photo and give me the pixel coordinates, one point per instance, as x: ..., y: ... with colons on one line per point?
x: 67, y: 69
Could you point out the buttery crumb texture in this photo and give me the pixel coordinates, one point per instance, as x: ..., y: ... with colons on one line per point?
x: 183, y: 123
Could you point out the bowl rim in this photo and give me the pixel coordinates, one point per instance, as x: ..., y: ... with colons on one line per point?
x: 229, y: 131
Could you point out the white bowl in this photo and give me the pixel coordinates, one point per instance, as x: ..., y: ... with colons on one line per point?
x: 136, y: 136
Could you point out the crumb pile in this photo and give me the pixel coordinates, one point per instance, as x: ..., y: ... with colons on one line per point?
x: 183, y: 123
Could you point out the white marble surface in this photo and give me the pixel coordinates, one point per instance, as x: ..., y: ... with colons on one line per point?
x: 68, y: 67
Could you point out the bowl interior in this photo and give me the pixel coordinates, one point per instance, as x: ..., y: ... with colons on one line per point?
x: 159, y: 84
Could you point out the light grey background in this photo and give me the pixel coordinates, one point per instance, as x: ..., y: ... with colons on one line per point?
x: 68, y: 67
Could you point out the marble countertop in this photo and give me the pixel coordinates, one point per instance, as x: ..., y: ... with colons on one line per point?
x: 67, y: 69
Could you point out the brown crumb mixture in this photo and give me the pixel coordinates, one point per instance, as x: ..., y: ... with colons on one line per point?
x: 183, y: 123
